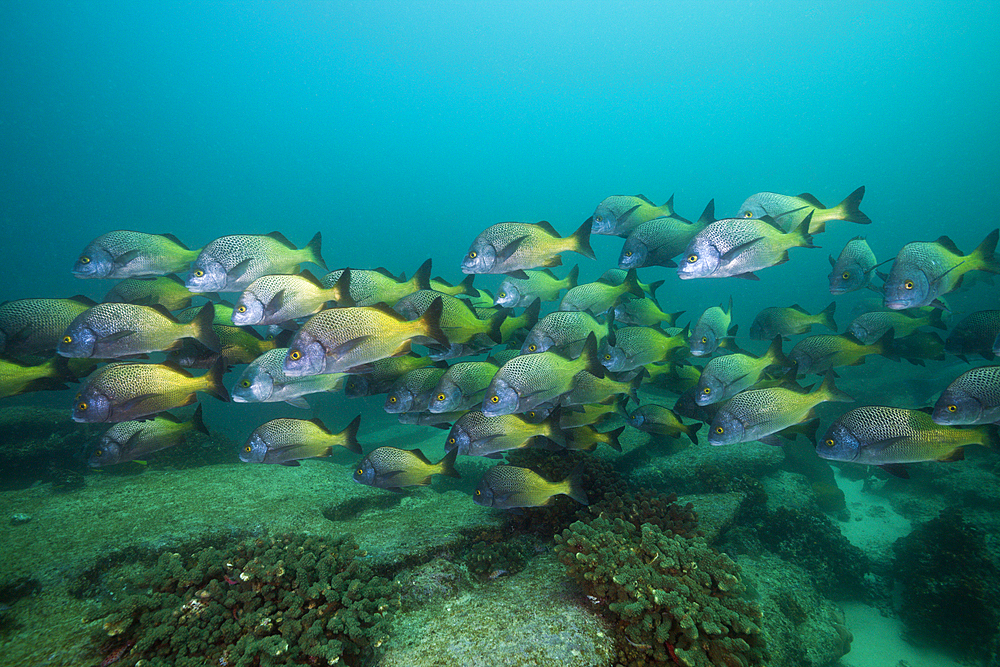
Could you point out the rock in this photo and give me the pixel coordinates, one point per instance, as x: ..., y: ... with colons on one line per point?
x: 683, y: 471
x: 19, y: 519
x: 717, y: 512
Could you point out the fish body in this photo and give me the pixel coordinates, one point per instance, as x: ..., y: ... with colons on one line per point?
x: 618, y: 215
x: 122, y: 391
x: 587, y: 438
x: 852, y: 270
x: 660, y: 420
x: 564, y: 332
x: 382, y: 374
x: 869, y: 327
x: 643, y: 312
x: 369, y: 287
x: 757, y: 414
x: 597, y: 298
x: 589, y: 414
x: 588, y: 388
x: 114, y: 330
x: 887, y: 437
x: 413, y: 391
x: 131, y: 440
x: 633, y: 347
x: 463, y: 288
x: 975, y: 334
x: 127, y: 254
x: 264, y: 381
x: 286, y: 441
x: 30, y: 326
x: 237, y: 345
x: 167, y: 291
x: 279, y: 298
x: 658, y: 241
x: 739, y: 246
x: 392, y: 469
x: 341, y: 339
x: 475, y: 434
x: 924, y: 271
x: 788, y: 212
x: 820, y: 353
x: 19, y: 378
x: 458, y: 320
x: 462, y: 386
x: 506, y: 487
x: 617, y: 277
x: 510, y: 247
x: 223, y: 314
x: 543, y: 284
x: 725, y: 376
x: 231, y: 263
x: 790, y: 321
x: 710, y: 330
x: 530, y: 380
x: 973, y: 398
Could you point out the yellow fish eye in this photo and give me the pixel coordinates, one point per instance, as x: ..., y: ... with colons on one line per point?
x: 392, y: 399
x: 360, y: 471
x: 532, y: 347
x: 598, y: 218
x: 248, y: 448
x: 952, y: 408
x: 82, y: 406
x: 494, y: 399
x: 846, y: 275
x: 478, y: 492
x: 294, y: 355
x: 245, y: 384
x: 85, y: 260
x: 67, y: 339
x: 198, y: 273
x: 706, y: 391
x: 720, y: 430
x: 441, y: 397
x: 628, y: 253
x: 704, y: 339
x: 692, y: 259
x: 908, y: 284
x: 531, y: 414
x: 451, y: 440
x: 607, y: 357
x: 241, y: 309
x: 98, y: 452
x: 747, y: 214
x: 502, y: 294
x: 829, y: 443
x: 473, y: 254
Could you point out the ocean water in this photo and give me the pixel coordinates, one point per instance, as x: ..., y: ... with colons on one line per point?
x: 400, y: 130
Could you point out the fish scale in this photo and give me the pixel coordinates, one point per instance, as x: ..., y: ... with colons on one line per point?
x: 157, y: 254
x: 658, y: 241
x: 113, y: 330
x: 562, y: 328
x: 618, y: 215
x: 264, y: 380
x: 972, y: 398
x: 370, y: 287
x: 458, y: 320
x: 469, y: 378
x: 853, y: 268
x: 301, y: 297
x: 475, y: 434
x: 28, y: 326
x: 412, y: 392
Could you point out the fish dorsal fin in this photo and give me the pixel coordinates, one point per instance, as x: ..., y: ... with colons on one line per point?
x: 420, y: 455
x: 308, y: 275
x: 948, y: 245
x: 547, y: 226
x: 177, y: 368
x: 809, y: 199
x: 388, y: 274
x: 799, y: 308
x: 647, y: 199
x: 386, y: 310
x: 280, y: 238
x: 162, y: 310
x: 174, y: 239
x: 550, y: 274
x: 319, y: 424
x: 83, y: 300
x: 669, y: 205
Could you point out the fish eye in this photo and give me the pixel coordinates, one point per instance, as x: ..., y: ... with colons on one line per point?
x: 952, y: 408
x: 67, y: 339
x: 908, y: 284
x: 628, y: 253
x: 532, y: 347
x: 451, y: 440
x: 441, y: 397
x: 294, y: 355
x: 531, y: 414
x: 85, y: 260
x: 607, y: 357
x: 494, y: 399
x: 478, y: 492
x: 245, y: 384
x: 747, y: 214
x: 846, y: 275
x: 248, y: 448
x: 706, y: 391
x: 473, y: 254
x: 82, y: 406
x: 241, y: 309
x: 598, y: 218
x: 502, y: 294
x: 720, y: 430
x: 360, y: 471
x: 392, y: 399
x: 829, y: 442
x: 98, y: 452
x: 692, y: 259
x: 704, y: 339
x: 198, y: 273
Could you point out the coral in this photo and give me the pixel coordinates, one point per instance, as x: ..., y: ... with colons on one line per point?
x: 675, y: 599
x: 950, y: 574
x: 266, y: 601
x: 488, y: 560
x: 648, y: 506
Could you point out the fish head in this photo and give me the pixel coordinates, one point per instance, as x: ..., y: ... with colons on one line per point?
x: 399, y: 400
x: 91, y: 406
x: 107, y: 452
x: 484, y: 495
x: 727, y: 428
x: 481, y: 258
x: 356, y: 385
x: 94, y: 262
x: 956, y: 407
x: 907, y: 287
x: 802, y: 360
x: 701, y: 259
x: 248, y: 310
x: 612, y: 357
x: 255, y: 386
x: 636, y: 420
x: 77, y: 341
x: 846, y: 279
x: 703, y: 343
x: 508, y: 295
x: 459, y: 437
x: 752, y: 209
x: 757, y: 330
x: 365, y: 473
x: 445, y: 399
x: 709, y: 390
x: 633, y: 255
x: 501, y: 399
x: 839, y: 444
x: 305, y: 356
x: 207, y: 275
x: 537, y: 341
x: 254, y: 450
x: 603, y: 221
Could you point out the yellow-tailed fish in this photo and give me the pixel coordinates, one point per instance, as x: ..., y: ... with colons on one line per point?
x: 632, y: 347
x: 475, y: 434
x: 660, y: 420
x: 869, y: 327
x: 392, y: 469
x: 30, y: 326
x: 725, y: 376
x: 286, y: 441
x: 618, y: 215
x: 458, y: 320
x: 597, y: 298
x: 821, y: 353
x: 369, y: 287
x: 131, y: 440
x: 790, y: 321
x: 115, y: 330
x: 506, y: 487
x: 658, y: 241
x: 230, y: 263
x: 542, y: 284
x: 282, y: 297
x: 127, y: 254
x: 738, y: 246
x: 788, y: 212
x: 512, y: 247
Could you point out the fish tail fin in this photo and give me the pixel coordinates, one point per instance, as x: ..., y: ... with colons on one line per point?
x: 848, y: 209
x: 531, y: 313
x: 202, y: 329
x: 213, y: 380
x: 991, y: 437
x: 613, y: 438
x: 421, y: 279
x: 494, y: 332
x: 197, y: 421
x: 936, y: 319
x: 590, y: 358
x: 653, y: 287
x: 800, y: 235
x: 350, y: 435
x: 885, y: 345
x: 466, y: 285
x: 430, y: 322
x: 826, y: 317
x: 446, y: 466
x: 313, y: 249
x: 692, y: 432
x: 830, y: 391
x: 775, y: 356
x: 573, y: 485
x: 581, y: 241
x: 62, y: 371
x: 985, y: 254
x: 341, y: 290
x: 573, y: 278
x: 631, y: 284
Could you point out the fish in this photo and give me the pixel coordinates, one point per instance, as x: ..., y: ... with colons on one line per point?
x: 512, y: 247
x: 820, y: 353
x: 413, y: 391
x: 282, y: 297
x: 564, y: 332
x: 476, y: 434
x: 587, y: 438
x: 463, y: 288
x: 237, y: 345
x: 287, y: 441
x: 620, y: 214
x: 383, y: 373
x: 21, y: 378
x: 458, y: 320
x: 658, y: 241
x: 643, y: 312
x: 869, y: 327
x: 687, y: 406
x: 724, y: 377
x: 124, y: 390
x: 588, y: 388
x: 540, y: 284
x: 924, y: 271
x: 660, y: 420
x: 341, y: 340
x: 632, y: 347
x: 617, y: 277
x: 506, y: 487
x: 442, y: 420
x: 231, y: 263
x: 367, y: 288
x: 972, y: 398
x: 167, y: 291
x: 853, y: 269
x: 790, y: 321
x: 223, y: 313
x: 462, y: 386
x: 115, y: 330
x: 597, y: 298
x: 889, y: 437
x: 392, y: 469
x: 32, y: 326
x: 758, y: 414
x: 589, y: 414
x: 264, y: 381
x: 789, y: 211
x: 975, y: 334
x: 132, y: 440
x: 736, y: 247
x: 711, y: 328
x: 511, y: 324
x: 530, y: 380
x: 128, y: 254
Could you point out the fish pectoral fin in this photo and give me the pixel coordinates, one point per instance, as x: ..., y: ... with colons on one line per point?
x: 126, y: 257
x: 235, y: 273
x: 298, y: 402
x: 275, y: 304
x: 347, y: 347
x: 735, y: 252
x: 505, y: 253
x: 133, y: 403
x: 290, y: 463
x: 118, y: 336
x: 770, y: 440
x: 750, y: 275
